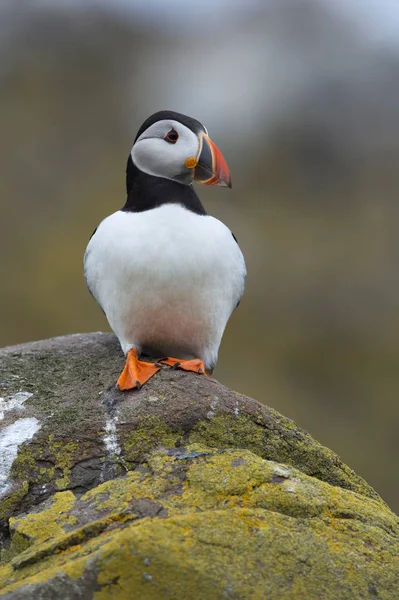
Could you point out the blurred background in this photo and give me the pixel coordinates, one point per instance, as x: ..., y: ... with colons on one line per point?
x: 302, y: 96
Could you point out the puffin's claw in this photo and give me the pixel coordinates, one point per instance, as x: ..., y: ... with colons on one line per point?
x: 136, y: 372
x: 195, y: 365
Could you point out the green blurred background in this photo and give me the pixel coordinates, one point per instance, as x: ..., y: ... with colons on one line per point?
x: 303, y: 99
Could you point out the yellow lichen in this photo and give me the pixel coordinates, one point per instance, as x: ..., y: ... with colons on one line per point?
x: 8, y: 503
x: 64, y: 453
x: 37, y: 527
x: 237, y: 526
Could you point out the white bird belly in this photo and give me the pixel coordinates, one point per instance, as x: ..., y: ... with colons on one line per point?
x: 167, y: 279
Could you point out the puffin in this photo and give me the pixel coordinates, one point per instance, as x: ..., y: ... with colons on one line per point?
x: 167, y: 274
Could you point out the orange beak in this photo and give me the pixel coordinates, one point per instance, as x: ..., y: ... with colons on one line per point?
x: 211, y: 168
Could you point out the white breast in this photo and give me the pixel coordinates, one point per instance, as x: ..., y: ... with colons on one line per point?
x: 167, y: 279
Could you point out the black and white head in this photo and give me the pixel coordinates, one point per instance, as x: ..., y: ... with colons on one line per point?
x: 176, y: 147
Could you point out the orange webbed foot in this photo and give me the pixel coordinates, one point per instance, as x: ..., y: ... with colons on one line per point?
x: 195, y: 365
x: 136, y: 372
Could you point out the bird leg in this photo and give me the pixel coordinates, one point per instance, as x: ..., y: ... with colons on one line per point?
x: 136, y: 372
x: 195, y: 365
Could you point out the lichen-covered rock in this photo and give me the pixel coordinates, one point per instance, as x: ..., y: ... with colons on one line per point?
x: 184, y: 489
x: 202, y: 523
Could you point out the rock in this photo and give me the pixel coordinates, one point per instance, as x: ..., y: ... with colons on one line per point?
x: 184, y: 489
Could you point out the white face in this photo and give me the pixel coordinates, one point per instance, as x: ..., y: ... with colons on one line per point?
x: 155, y: 155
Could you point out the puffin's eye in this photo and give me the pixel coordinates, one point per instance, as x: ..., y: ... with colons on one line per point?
x: 172, y: 136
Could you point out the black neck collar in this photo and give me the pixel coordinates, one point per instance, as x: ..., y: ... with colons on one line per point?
x: 145, y: 192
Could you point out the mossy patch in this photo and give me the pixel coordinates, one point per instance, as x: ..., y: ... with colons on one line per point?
x: 11, y: 501
x: 147, y: 435
x: 224, y: 430
x: 51, y: 460
x: 25, y: 462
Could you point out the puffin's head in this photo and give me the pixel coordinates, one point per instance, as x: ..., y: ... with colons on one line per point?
x: 173, y: 146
